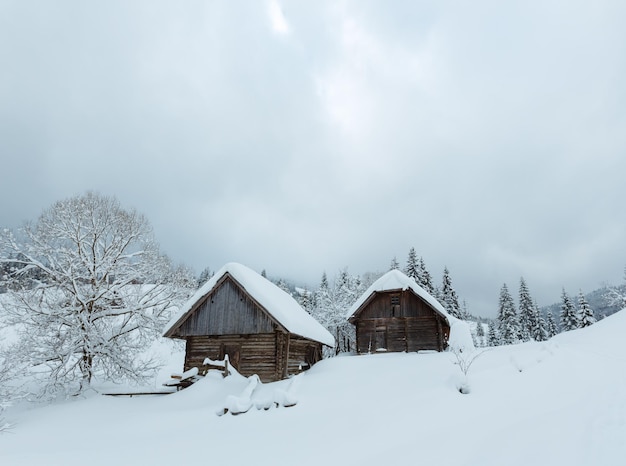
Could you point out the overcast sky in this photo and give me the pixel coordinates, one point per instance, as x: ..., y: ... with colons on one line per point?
x: 302, y: 137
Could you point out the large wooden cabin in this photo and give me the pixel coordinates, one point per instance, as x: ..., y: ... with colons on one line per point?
x: 261, y: 328
x: 396, y: 314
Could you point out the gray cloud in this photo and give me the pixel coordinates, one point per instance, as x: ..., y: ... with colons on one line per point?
x: 490, y: 136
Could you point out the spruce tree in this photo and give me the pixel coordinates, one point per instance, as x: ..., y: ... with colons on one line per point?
x: 204, y: 276
x: 492, y: 336
x: 585, y: 313
x: 527, y: 320
x: 306, y: 300
x: 448, y: 297
x: 426, y: 280
x: 324, y: 282
x: 412, y: 269
x: 480, y: 330
x: 551, y: 329
x: 508, y: 324
x: 538, y: 331
x: 282, y: 284
x: 480, y: 333
x: 395, y: 265
x: 569, y: 316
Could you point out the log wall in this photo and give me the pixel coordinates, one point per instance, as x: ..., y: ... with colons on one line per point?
x: 272, y: 356
x: 302, y: 354
x: 257, y: 353
x: 399, y: 321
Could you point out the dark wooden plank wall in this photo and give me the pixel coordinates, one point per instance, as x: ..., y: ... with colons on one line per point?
x: 265, y: 355
x: 411, y: 325
x: 410, y: 305
x: 227, y: 311
x: 302, y: 354
x: 399, y: 334
x: 257, y: 353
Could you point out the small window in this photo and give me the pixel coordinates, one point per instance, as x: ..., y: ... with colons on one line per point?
x: 395, y: 305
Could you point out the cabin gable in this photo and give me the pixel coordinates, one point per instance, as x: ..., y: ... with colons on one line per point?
x: 394, y: 303
x: 398, y: 321
x: 227, y: 310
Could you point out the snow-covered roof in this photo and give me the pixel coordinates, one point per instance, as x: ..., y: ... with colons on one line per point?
x: 396, y: 280
x: 276, y: 302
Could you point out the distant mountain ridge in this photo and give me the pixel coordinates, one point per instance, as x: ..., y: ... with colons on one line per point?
x: 598, y: 301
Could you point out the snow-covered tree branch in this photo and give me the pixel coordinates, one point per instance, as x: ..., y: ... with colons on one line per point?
x: 88, y: 291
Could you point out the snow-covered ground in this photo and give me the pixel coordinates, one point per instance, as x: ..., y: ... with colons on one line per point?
x: 562, y: 402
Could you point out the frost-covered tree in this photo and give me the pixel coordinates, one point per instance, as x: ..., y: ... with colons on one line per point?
x: 283, y: 285
x: 616, y: 295
x: 306, y: 299
x: 492, y: 335
x: 551, y: 328
x: 508, y: 324
x: 105, y: 292
x: 412, y: 266
x: 448, y: 297
x: 331, y: 305
x: 204, y: 276
x: 395, y: 265
x: 480, y: 330
x: 585, y: 313
x: 570, y: 319
x: 479, y: 333
x: 538, y: 329
x: 527, y: 318
x: 426, y: 280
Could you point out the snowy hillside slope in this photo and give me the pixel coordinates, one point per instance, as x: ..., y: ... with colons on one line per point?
x: 561, y: 402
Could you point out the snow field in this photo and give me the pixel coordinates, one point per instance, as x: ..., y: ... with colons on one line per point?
x: 561, y: 402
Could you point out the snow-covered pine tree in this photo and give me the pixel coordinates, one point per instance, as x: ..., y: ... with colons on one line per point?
x: 426, y: 280
x: 538, y: 331
x: 551, y: 329
x: 465, y: 313
x: 448, y: 297
x: 480, y: 330
x: 204, y: 276
x: 324, y: 282
x: 282, y: 284
x: 395, y: 265
x: 527, y: 321
x: 480, y: 333
x: 492, y: 335
x: 412, y: 267
x: 585, y: 312
x: 508, y: 324
x: 616, y: 295
x: 306, y: 299
x: 570, y: 320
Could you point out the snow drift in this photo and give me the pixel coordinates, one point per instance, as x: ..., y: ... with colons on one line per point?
x: 557, y: 402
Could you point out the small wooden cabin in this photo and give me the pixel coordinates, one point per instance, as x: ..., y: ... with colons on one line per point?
x: 396, y: 314
x: 261, y: 328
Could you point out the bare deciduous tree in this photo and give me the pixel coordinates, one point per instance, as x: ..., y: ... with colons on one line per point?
x: 88, y: 289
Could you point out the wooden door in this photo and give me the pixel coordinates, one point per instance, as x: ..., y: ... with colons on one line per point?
x: 381, y: 338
